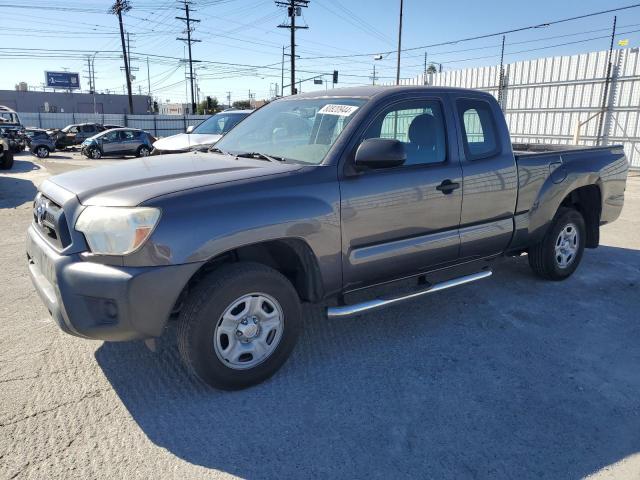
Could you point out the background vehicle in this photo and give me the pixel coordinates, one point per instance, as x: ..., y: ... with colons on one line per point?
x: 6, y: 155
x: 75, y: 134
x: 207, y: 133
x: 39, y: 142
x: 312, y: 198
x: 120, y: 142
x: 12, y: 129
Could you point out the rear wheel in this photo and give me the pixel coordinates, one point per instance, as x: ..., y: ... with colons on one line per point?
x: 559, y: 253
x: 239, y: 325
x: 6, y: 159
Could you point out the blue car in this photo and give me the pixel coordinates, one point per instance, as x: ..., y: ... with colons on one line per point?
x: 118, y: 142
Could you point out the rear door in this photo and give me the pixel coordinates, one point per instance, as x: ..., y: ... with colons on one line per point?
x: 129, y: 141
x: 490, y: 185
x: 400, y: 221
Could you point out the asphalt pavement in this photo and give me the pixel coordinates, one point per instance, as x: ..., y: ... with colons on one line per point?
x: 511, y: 377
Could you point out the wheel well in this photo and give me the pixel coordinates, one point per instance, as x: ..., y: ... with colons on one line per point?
x: 291, y: 257
x: 587, y: 200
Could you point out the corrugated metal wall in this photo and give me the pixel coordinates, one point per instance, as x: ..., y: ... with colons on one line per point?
x: 545, y: 99
x: 157, y: 125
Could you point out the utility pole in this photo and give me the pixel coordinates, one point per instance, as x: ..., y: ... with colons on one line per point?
x: 294, y: 9
x: 118, y: 8
x: 229, y: 99
x: 187, y: 19
x: 424, y: 75
x: 149, y: 99
x: 282, y: 75
x: 399, y: 44
x: 501, y: 77
x: 374, y: 77
x: 606, y: 83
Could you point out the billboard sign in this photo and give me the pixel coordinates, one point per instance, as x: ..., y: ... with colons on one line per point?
x: 65, y: 80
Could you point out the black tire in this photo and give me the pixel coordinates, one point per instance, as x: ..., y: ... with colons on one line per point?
x: 6, y: 160
x: 41, y: 151
x: 141, y: 151
x: 94, y: 153
x: 204, y: 308
x: 542, y: 256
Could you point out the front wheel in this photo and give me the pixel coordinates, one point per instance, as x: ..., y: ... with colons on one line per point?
x: 94, y: 153
x: 41, y: 152
x: 239, y: 325
x: 559, y: 253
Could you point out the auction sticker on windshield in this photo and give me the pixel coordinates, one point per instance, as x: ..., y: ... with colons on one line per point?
x: 341, y: 110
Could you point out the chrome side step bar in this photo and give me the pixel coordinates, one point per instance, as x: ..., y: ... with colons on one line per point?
x: 344, y: 311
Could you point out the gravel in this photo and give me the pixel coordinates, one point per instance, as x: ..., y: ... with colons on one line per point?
x: 511, y: 377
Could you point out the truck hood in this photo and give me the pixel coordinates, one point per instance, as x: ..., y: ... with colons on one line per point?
x: 132, y: 182
x: 183, y: 141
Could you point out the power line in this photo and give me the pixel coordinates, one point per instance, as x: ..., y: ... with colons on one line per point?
x: 479, y: 37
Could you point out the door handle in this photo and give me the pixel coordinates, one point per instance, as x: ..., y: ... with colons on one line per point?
x: 447, y: 186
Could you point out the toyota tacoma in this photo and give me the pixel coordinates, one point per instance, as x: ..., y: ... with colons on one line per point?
x: 317, y: 198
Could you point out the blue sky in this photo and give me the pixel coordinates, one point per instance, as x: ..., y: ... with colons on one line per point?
x: 243, y: 33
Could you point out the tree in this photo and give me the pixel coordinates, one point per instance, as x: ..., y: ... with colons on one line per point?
x: 242, y: 104
x: 432, y: 68
x: 208, y: 106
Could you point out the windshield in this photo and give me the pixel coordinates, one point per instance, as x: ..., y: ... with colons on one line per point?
x: 300, y: 129
x: 219, y: 124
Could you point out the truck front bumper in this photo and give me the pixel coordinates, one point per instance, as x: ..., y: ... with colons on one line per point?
x: 104, y: 302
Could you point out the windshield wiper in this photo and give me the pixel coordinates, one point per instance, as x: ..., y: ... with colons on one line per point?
x: 217, y: 150
x: 263, y: 156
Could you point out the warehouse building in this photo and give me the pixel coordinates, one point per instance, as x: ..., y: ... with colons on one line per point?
x: 69, y: 102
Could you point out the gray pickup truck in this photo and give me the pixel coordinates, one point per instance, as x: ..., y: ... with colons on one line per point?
x: 316, y: 198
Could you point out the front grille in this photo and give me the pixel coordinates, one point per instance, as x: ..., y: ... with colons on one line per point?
x: 49, y: 219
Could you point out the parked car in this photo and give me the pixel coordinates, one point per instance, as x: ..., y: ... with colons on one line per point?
x: 12, y: 129
x: 207, y: 133
x: 75, y: 134
x: 389, y: 184
x: 119, y: 142
x: 111, y: 127
x: 39, y: 142
x: 6, y: 155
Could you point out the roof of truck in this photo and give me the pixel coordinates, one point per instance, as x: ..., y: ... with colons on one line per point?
x: 375, y: 90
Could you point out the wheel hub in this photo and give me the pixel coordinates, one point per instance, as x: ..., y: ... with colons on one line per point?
x: 566, y: 247
x: 248, y: 328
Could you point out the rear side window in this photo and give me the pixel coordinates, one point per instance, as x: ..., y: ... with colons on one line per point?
x: 88, y: 128
x: 479, y: 134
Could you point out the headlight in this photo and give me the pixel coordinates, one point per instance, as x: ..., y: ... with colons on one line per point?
x: 117, y: 230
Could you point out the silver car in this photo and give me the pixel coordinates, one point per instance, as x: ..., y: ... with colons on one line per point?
x: 118, y: 142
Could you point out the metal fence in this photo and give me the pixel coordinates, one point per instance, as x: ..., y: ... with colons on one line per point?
x: 559, y: 99
x: 157, y: 125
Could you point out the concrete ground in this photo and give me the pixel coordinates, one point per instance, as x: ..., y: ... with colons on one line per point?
x: 511, y: 377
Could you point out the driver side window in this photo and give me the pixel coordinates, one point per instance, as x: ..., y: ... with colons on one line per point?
x: 419, y: 125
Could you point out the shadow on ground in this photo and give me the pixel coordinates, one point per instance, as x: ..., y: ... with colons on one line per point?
x: 15, y: 191
x: 509, y: 378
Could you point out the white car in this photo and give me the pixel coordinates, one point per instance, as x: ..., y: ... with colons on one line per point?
x: 207, y: 133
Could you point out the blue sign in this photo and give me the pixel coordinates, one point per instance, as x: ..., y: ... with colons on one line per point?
x: 66, y: 80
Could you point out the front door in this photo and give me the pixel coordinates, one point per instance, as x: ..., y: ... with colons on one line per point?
x: 111, y: 142
x: 404, y: 220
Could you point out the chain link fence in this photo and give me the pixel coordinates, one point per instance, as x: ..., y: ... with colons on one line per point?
x: 157, y: 125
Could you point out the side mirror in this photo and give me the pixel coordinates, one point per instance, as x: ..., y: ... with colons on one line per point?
x: 380, y: 153
x: 190, y: 128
